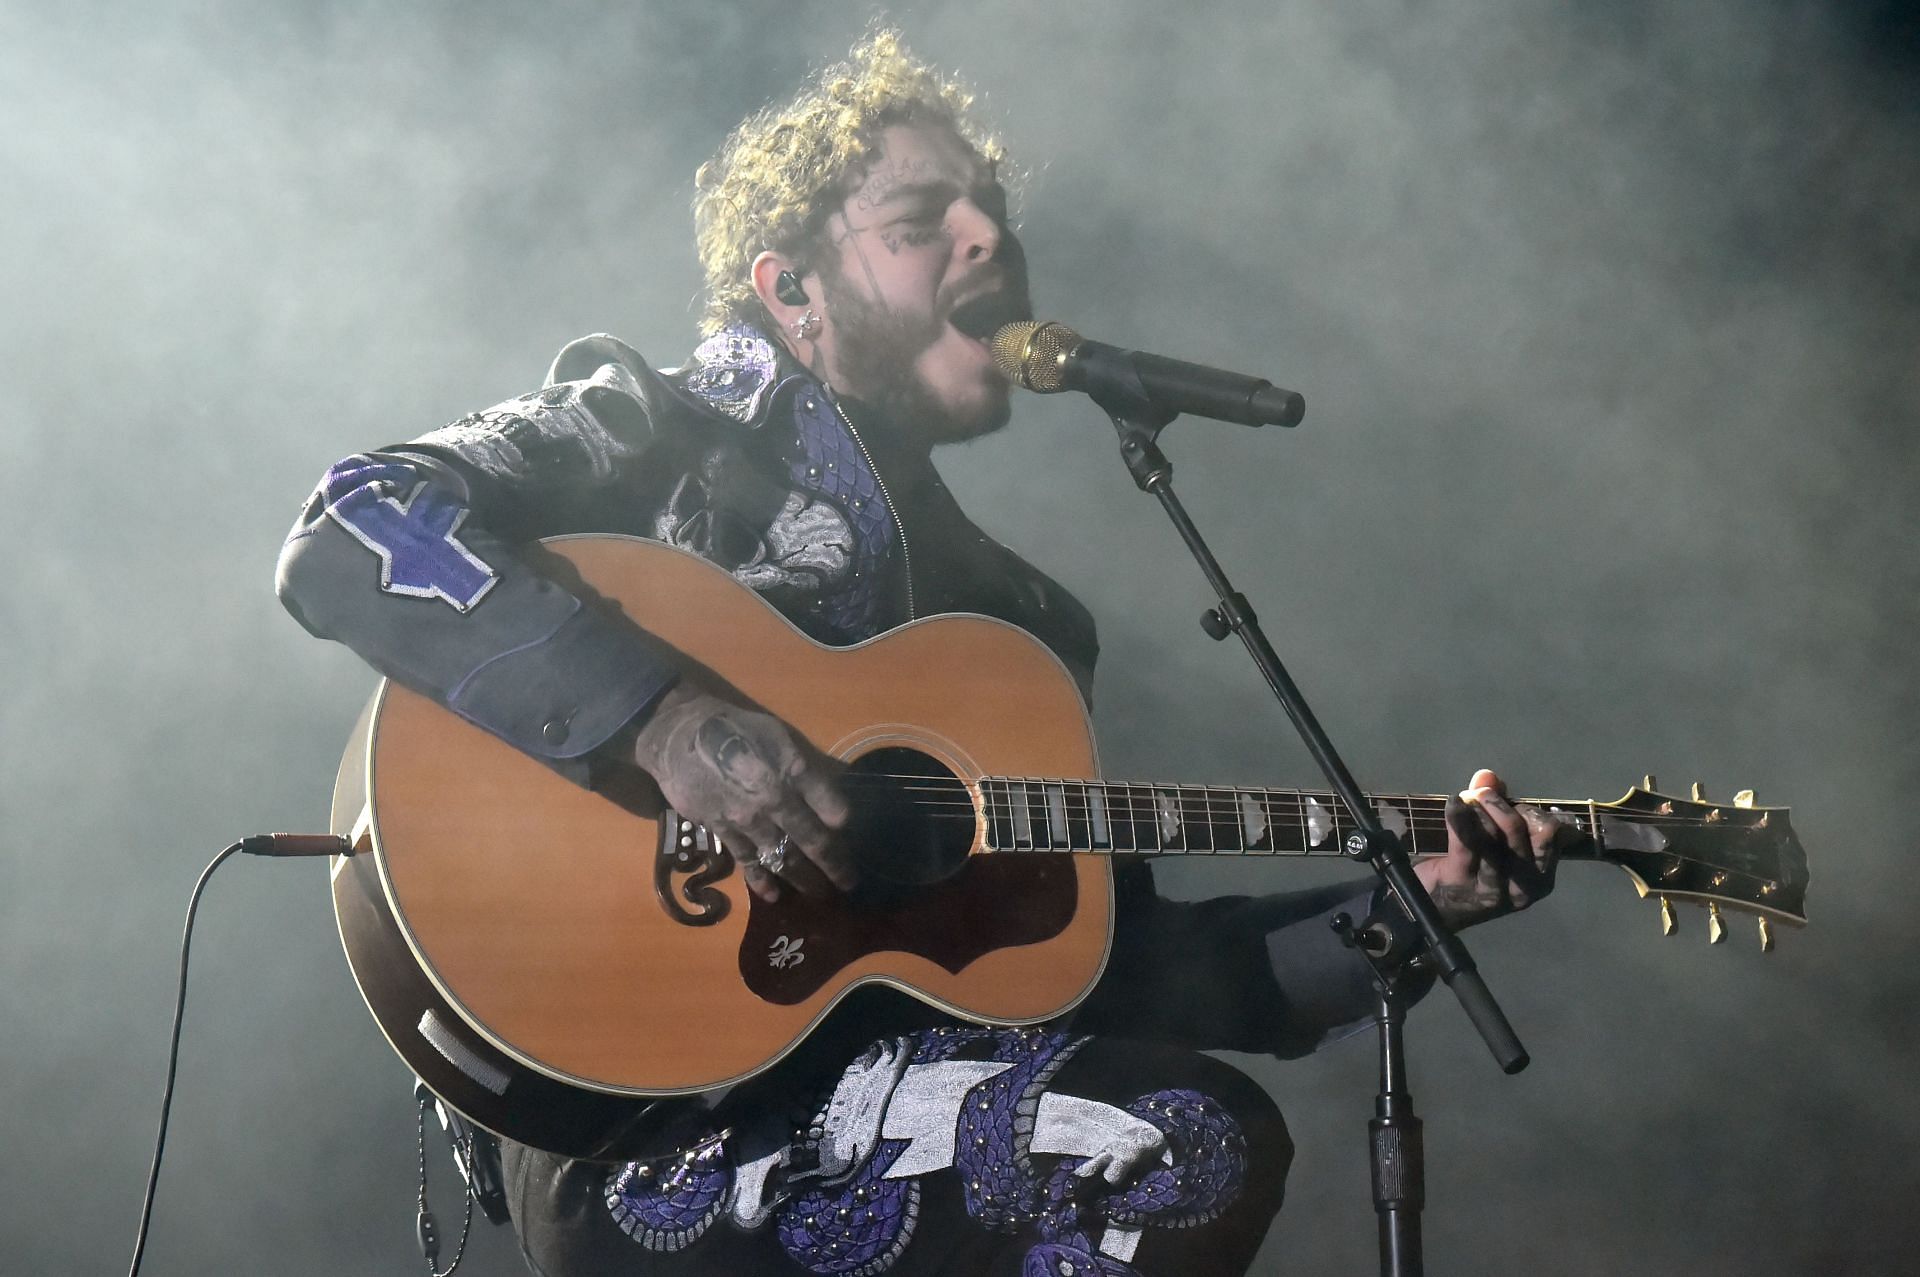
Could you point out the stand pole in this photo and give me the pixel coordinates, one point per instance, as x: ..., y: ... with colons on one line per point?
x: 1139, y: 424
x: 1399, y: 1162
x: 1394, y: 1132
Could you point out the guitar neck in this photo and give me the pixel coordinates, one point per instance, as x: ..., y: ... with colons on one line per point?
x: 1035, y: 814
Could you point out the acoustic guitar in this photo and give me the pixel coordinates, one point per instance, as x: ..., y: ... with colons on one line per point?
x: 552, y: 959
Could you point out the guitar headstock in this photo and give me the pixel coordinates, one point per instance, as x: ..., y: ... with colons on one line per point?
x: 1733, y: 855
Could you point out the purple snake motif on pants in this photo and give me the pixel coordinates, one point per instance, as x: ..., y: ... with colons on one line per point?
x: 977, y: 1101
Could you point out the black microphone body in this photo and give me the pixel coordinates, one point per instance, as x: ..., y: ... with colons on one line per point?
x: 1050, y: 357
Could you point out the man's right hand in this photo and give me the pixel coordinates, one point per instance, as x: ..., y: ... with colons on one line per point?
x: 747, y: 777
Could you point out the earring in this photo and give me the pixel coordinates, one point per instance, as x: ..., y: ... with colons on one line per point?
x: 806, y: 326
x: 787, y: 287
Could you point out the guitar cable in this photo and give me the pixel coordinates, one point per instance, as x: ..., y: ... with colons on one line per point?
x: 426, y: 1230
x: 256, y: 845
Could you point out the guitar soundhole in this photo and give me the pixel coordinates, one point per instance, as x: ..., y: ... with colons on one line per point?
x: 912, y: 823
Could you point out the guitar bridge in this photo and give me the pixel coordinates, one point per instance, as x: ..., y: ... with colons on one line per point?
x: 685, y: 866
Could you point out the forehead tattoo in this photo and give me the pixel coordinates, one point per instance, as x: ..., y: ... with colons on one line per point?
x: 895, y: 178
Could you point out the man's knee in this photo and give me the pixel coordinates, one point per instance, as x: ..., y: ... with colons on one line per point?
x: 1269, y: 1143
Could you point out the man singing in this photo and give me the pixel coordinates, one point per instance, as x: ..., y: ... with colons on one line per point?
x: 856, y: 248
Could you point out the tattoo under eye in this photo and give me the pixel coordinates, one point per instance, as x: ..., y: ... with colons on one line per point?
x: 914, y: 232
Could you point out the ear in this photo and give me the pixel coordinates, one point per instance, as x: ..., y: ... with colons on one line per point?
x: 766, y: 271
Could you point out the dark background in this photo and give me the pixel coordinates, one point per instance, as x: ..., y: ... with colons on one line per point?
x: 1606, y: 315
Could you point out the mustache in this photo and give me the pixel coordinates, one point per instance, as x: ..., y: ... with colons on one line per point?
x: 985, y: 309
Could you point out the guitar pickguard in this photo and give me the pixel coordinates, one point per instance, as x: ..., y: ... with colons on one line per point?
x: 799, y: 943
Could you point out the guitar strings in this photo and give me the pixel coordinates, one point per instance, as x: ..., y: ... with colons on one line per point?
x: 1221, y: 816
x: 1229, y: 795
x: 961, y: 808
x: 1211, y: 801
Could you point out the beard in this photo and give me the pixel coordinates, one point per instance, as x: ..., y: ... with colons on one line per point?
x: 877, y: 353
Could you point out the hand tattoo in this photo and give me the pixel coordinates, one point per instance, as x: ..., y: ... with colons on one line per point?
x: 733, y: 756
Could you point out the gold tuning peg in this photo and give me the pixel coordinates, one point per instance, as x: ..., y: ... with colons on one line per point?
x: 1699, y: 792
x: 1743, y: 799
x: 1667, y: 924
x: 1648, y: 783
x: 1716, y: 929
x: 1766, y: 936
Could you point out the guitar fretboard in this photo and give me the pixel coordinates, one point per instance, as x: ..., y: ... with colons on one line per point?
x: 1035, y: 814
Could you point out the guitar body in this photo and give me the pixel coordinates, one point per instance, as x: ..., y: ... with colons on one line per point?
x: 549, y: 958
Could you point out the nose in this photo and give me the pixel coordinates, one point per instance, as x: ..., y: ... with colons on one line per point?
x: 976, y: 235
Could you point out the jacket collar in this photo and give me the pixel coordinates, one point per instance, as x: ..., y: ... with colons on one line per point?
x: 738, y: 370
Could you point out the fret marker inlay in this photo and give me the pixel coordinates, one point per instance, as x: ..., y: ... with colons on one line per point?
x: 1319, y: 822
x: 1254, y: 818
x: 1169, y: 816
x: 1097, y: 814
x: 1392, y: 819
x: 1057, y: 813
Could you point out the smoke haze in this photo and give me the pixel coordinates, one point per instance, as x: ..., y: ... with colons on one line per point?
x: 1608, y: 320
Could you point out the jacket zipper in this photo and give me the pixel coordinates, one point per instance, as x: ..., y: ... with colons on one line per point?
x: 900, y: 525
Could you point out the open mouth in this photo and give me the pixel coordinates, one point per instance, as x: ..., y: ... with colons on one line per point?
x: 978, y: 317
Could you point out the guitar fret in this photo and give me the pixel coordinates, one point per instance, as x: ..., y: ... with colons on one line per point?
x: 1424, y: 833
x: 1229, y: 827
x: 1022, y: 813
x: 1197, y: 828
x: 1097, y: 815
x: 1392, y: 818
x: 1286, y: 829
x: 1206, y: 821
x: 1039, y: 818
x: 1223, y: 822
x: 1056, y: 799
x: 1139, y: 819
x: 1414, y: 826
x: 1195, y: 836
x: 1080, y: 815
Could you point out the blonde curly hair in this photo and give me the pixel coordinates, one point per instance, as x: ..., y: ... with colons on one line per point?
x: 776, y: 176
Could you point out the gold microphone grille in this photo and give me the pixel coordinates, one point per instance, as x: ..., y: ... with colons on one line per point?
x: 1029, y: 354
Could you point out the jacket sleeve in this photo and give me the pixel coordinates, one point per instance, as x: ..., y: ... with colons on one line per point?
x: 407, y: 555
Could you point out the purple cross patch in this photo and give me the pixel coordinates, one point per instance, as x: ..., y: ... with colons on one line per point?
x: 415, y: 536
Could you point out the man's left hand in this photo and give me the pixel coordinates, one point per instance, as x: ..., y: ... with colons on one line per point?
x: 1500, y: 855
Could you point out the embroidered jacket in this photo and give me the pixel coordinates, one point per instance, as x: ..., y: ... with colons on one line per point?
x: 410, y: 554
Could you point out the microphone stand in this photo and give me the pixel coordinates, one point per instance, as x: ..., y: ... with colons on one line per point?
x: 1394, y: 1134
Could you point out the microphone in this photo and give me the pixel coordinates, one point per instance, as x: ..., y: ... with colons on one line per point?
x: 1047, y: 358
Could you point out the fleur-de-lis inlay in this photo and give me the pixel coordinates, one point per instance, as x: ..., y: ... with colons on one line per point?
x: 785, y: 952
